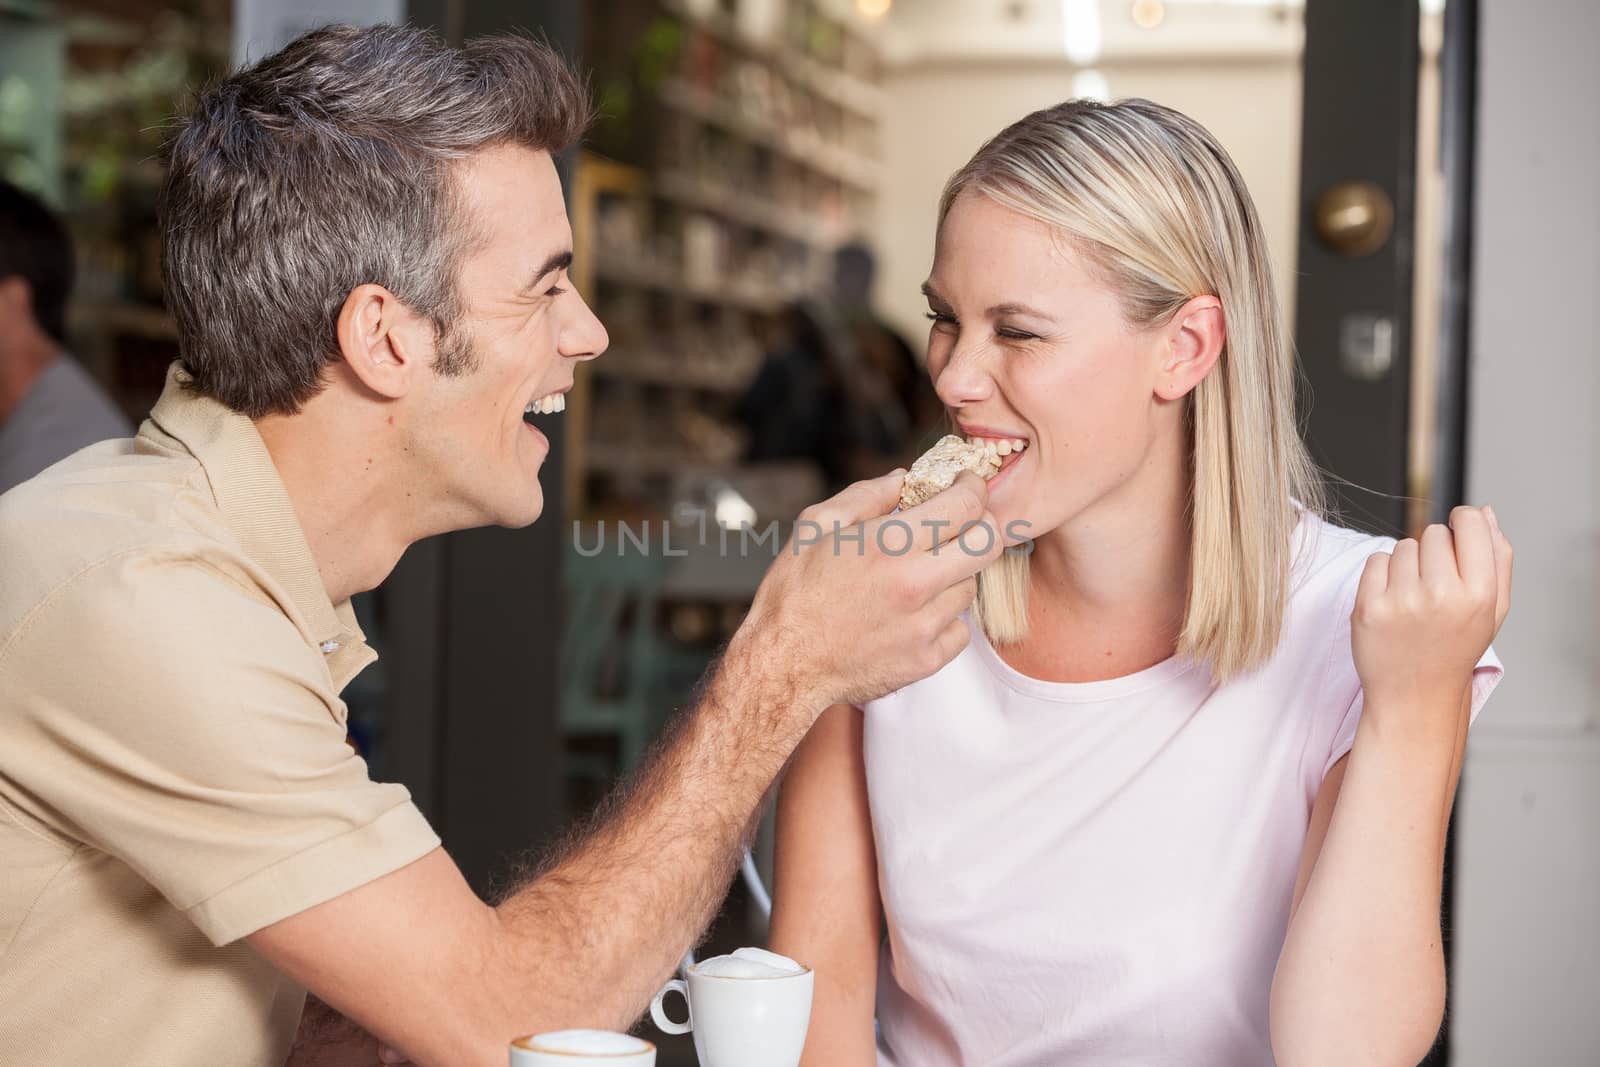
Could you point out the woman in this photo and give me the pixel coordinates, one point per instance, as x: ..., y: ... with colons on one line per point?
x: 1188, y: 804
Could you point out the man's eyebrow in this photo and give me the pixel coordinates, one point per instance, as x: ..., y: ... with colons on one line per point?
x: 557, y: 261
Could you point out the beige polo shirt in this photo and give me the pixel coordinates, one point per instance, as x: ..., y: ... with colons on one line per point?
x: 173, y: 766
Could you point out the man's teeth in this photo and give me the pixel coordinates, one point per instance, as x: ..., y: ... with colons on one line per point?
x: 547, y: 405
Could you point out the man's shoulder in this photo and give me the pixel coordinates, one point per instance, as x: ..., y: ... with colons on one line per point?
x: 114, y: 512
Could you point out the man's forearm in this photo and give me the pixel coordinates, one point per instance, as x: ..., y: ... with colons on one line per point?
x: 427, y: 966
x: 599, y: 928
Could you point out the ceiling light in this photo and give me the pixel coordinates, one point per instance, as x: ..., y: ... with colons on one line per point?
x: 1148, y: 14
x: 1080, y: 30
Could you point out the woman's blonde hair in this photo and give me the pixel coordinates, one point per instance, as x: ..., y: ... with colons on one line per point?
x: 1160, y: 213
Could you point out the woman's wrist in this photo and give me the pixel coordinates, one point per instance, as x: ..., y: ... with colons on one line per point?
x: 1420, y: 722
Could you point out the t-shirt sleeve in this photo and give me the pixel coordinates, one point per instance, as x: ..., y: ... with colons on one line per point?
x: 1344, y: 684
x: 204, y: 746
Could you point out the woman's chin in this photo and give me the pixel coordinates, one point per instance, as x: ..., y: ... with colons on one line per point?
x: 1014, y: 527
x: 1009, y: 499
x: 1020, y: 523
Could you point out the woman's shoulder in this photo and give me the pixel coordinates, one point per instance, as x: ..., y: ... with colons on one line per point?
x: 1328, y: 558
x: 1325, y: 549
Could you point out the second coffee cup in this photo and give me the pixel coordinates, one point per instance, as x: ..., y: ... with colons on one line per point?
x: 752, y: 1017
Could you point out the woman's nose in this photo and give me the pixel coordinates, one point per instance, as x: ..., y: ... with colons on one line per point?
x: 964, y: 379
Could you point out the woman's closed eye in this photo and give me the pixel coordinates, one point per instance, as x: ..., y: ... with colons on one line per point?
x: 1005, y: 333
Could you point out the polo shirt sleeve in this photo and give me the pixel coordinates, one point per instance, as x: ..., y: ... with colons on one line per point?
x: 167, y: 714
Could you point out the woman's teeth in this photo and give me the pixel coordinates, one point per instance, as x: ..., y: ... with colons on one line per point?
x: 999, y: 446
x: 547, y: 405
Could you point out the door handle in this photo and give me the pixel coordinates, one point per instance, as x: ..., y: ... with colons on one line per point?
x: 1354, y: 218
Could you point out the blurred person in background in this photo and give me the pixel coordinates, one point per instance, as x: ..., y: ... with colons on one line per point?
x: 883, y: 348
x: 840, y: 388
x: 49, y: 405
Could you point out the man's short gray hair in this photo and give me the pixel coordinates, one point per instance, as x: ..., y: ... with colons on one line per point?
x: 326, y: 166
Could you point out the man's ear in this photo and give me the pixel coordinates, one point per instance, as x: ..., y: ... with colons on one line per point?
x: 381, y: 340
x: 1194, y: 338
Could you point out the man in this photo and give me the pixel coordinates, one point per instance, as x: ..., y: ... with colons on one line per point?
x: 366, y: 252
x: 49, y: 406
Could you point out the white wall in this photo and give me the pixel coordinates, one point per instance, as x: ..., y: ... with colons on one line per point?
x: 939, y: 110
x: 1528, y: 902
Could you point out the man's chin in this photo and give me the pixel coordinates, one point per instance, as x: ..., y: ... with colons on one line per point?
x: 527, y: 517
x: 518, y: 514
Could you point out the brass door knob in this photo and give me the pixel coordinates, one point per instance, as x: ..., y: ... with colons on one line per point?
x: 1354, y: 218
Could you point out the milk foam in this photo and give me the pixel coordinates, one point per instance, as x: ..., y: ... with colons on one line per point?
x: 585, y: 1043
x: 749, y: 963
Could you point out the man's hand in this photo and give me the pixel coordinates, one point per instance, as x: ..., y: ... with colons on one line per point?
x: 862, y: 602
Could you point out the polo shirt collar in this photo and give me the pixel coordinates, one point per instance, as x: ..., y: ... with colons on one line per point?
x: 256, y: 507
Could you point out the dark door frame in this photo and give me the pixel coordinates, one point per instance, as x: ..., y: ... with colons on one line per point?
x: 473, y: 620
x: 1458, y: 94
x: 1359, y: 121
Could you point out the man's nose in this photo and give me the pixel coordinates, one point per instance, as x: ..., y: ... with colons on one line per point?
x: 584, y: 336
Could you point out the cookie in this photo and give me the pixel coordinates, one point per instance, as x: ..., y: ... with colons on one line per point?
x: 936, y: 469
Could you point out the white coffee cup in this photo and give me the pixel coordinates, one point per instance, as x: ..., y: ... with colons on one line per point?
x: 571, y: 1048
x: 742, y: 1022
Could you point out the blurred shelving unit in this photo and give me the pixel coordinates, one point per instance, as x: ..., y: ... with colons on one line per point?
x: 97, y: 81
x: 736, y: 148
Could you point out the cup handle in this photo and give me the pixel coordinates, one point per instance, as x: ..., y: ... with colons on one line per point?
x: 659, y: 1016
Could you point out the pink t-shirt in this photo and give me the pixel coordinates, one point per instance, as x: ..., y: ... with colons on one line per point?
x: 1100, y: 873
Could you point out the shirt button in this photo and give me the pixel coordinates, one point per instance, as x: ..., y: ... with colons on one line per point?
x: 329, y: 647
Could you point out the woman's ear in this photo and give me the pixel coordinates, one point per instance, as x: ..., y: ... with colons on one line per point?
x: 1194, y: 338
x: 377, y: 340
